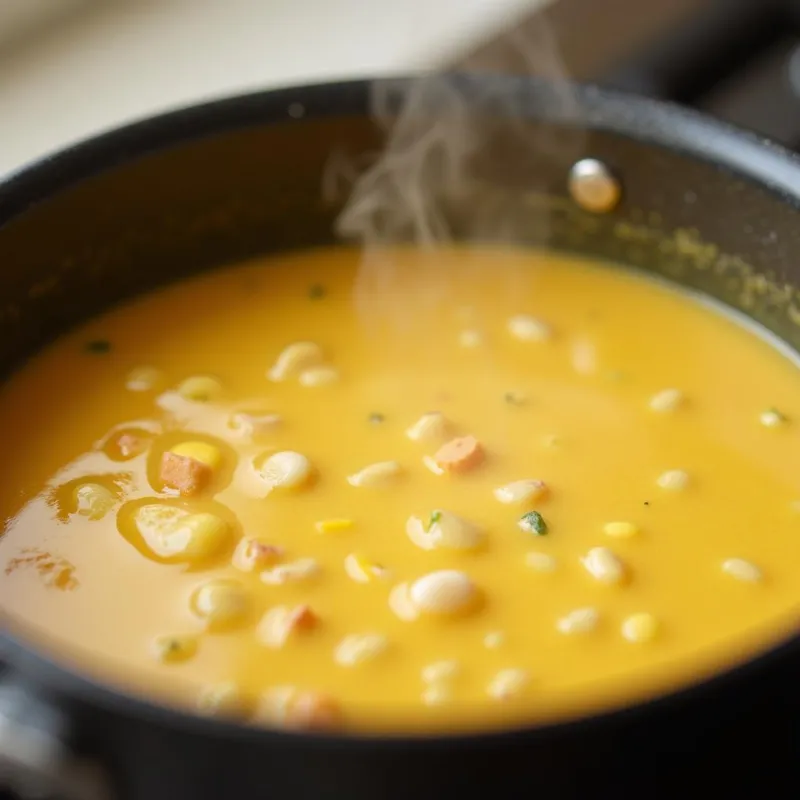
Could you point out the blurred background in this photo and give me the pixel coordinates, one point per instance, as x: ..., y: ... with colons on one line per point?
x: 70, y: 68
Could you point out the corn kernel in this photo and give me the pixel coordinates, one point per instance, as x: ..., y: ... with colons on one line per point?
x: 429, y: 428
x: 673, y: 480
x: 431, y: 465
x: 620, y: 530
x: 541, y: 562
x: 286, y: 470
x: 528, y: 329
x: 200, y: 389
x: 254, y: 424
x: 640, y: 628
x: 143, y: 379
x: 581, y: 620
x: 198, y: 536
x: 444, y: 530
x: 318, y: 376
x: 222, y: 604
x: 333, y: 525
x: 252, y: 553
x: 603, y: 565
x: 507, y: 683
x: 174, y: 649
x: 93, y: 500
x: 742, y: 570
x: 223, y: 700
x: 376, y: 474
x: 171, y: 532
x: 363, y: 570
x: 667, y: 400
x: 300, y: 570
x: 203, y: 452
x: 584, y: 357
x: 401, y: 604
x: 470, y: 338
x: 493, y: 640
x: 360, y: 647
x: 441, y: 671
x: 772, y: 418
x: 521, y: 491
x: 282, y: 622
x: 294, y: 359
x: 437, y: 694
x: 290, y: 707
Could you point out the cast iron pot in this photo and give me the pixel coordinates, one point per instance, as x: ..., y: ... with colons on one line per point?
x: 703, y: 205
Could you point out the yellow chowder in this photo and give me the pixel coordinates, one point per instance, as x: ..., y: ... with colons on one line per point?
x: 472, y: 488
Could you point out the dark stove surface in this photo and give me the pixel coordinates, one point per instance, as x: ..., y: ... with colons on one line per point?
x: 736, y: 59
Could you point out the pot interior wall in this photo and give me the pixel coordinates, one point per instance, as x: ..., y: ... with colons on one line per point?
x: 252, y: 189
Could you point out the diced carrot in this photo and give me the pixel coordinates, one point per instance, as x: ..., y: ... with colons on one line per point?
x: 185, y: 474
x: 130, y: 445
x: 459, y: 455
x: 302, y: 618
x: 312, y: 711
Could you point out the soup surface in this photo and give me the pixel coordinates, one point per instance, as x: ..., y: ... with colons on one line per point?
x: 468, y: 488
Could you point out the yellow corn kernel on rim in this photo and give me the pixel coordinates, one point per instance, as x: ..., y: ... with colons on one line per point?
x: 203, y: 452
x: 335, y: 525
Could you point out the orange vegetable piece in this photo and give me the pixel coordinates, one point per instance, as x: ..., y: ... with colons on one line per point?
x: 312, y: 711
x: 130, y: 445
x: 302, y: 618
x: 185, y: 474
x: 459, y: 455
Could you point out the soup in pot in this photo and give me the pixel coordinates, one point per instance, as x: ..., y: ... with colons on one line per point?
x: 461, y: 489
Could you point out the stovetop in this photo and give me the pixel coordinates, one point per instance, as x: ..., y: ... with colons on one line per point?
x: 736, y: 59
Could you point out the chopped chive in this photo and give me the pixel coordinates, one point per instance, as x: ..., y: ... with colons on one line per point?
x: 376, y: 418
x: 98, y: 346
x: 435, y: 517
x: 533, y: 522
x: 317, y: 292
x: 514, y: 398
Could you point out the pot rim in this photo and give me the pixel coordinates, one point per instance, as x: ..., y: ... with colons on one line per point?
x: 658, y: 123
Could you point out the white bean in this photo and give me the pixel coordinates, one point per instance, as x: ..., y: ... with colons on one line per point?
x: 603, y: 565
x: 444, y: 530
x: 444, y: 592
x: 376, y: 474
x: 294, y: 359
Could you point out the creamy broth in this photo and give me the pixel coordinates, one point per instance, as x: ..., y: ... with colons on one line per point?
x: 540, y: 488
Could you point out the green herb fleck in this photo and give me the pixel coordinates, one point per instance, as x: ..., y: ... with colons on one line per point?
x: 533, y: 522
x: 514, y: 398
x: 376, y: 418
x: 98, y: 346
x: 317, y: 292
x: 435, y: 517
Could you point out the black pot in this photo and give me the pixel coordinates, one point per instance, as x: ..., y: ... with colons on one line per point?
x: 703, y: 205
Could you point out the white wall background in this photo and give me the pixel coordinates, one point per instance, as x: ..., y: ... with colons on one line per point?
x: 115, y: 60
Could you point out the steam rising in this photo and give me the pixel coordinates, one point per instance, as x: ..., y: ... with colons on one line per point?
x: 445, y: 135
x: 461, y: 158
